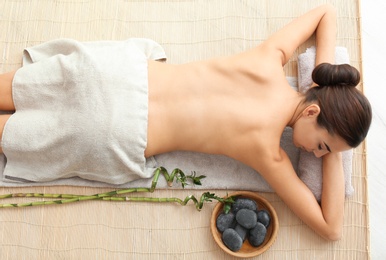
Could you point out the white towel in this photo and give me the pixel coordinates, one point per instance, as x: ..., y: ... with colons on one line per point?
x: 81, y: 110
x: 310, y: 172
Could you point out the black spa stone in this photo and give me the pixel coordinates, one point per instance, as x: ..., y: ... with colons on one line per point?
x: 246, y: 218
x: 263, y: 217
x: 232, y: 240
x: 243, y: 203
x: 225, y: 221
x: 257, y: 234
x: 242, y: 231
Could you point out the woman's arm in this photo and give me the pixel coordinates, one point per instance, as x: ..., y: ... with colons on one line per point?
x: 333, y: 191
x: 325, y: 218
x: 321, y: 20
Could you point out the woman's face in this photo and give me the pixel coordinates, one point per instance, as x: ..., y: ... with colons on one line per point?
x: 309, y: 136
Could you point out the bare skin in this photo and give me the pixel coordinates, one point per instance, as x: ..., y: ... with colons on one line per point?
x: 239, y: 106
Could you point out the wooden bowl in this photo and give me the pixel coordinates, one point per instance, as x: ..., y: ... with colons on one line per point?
x: 247, y: 250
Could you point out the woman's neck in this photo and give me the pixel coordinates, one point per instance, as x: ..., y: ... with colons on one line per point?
x: 298, y: 106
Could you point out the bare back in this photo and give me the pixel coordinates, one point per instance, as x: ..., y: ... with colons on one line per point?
x: 221, y: 106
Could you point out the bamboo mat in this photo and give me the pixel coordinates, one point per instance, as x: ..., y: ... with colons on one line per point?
x: 188, y: 30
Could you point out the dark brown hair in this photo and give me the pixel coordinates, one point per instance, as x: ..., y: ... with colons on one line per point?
x: 344, y: 110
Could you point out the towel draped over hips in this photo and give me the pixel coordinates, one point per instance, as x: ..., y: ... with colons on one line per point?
x: 81, y: 110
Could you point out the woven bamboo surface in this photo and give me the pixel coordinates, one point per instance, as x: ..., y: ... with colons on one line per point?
x: 188, y: 30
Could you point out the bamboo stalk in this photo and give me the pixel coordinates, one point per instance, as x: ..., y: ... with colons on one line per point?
x: 115, y: 194
x: 199, y: 203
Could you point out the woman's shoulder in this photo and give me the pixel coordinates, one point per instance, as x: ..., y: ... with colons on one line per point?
x: 264, y: 56
x: 263, y: 64
x: 260, y: 148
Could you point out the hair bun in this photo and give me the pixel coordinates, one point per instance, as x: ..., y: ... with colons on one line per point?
x: 326, y: 74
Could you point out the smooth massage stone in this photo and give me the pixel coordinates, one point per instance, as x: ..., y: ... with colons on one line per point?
x: 225, y: 221
x: 242, y: 203
x: 242, y: 231
x: 257, y: 234
x: 263, y: 217
x: 246, y: 218
x: 232, y: 240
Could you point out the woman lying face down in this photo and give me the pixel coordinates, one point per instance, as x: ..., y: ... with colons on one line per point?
x: 239, y: 105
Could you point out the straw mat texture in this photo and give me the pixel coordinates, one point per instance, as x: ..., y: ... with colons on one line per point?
x: 188, y: 30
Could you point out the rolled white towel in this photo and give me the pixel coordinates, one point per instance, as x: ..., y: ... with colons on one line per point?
x: 310, y: 172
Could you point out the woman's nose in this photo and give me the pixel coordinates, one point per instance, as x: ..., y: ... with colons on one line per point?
x: 319, y: 153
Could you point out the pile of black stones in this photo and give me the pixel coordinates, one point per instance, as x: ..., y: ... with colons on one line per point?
x: 243, y: 221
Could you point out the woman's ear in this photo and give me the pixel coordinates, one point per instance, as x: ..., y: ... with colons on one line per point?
x: 311, y: 111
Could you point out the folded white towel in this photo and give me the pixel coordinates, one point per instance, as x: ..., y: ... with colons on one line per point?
x: 310, y: 172
x: 81, y: 110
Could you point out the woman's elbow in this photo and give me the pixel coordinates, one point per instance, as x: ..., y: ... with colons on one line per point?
x: 334, y: 234
x: 330, y: 8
